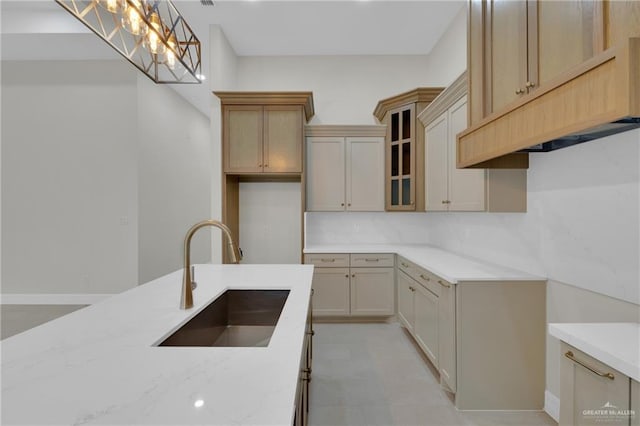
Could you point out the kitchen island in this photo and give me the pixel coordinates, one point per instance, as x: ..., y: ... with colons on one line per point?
x: 100, y: 365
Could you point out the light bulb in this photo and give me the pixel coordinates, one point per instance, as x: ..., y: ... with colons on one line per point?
x: 132, y: 19
x: 170, y: 55
x: 152, y: 42
x: 113, y: 6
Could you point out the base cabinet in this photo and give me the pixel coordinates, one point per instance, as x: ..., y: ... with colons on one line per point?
x: 592, y: 393
x: 426, y: 321
x: 489, y: 354
x: 447, y: 336
x: 405, y: 301
x: 331, y: 291
x: 301, y: 414
x: 353, y: 284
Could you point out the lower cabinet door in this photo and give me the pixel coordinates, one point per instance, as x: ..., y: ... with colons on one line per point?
x: 372, y: 291
x: 447, y: 335
x: 331, y: 291
x: 406, y: 286
x: 426, y: 322
x: 592, y: 393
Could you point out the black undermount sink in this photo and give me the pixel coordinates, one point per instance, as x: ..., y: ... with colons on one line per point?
x: 239, y: 318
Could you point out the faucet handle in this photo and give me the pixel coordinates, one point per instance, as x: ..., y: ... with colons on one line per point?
x: 194, y: 284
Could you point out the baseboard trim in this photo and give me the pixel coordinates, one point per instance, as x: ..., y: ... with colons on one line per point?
x: 51, y: 299
x: 552, y: 405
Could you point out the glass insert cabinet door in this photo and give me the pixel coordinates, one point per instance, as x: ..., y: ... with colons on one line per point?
x: 401, y: 158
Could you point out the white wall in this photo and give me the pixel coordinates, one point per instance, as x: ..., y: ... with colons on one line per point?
x: 447, y: 60
x: 69, y: 183
x: 174, y: 176
x: 270, y: 222
x: 223, y: 77
x: 103, y: 172
x: 346, y: 89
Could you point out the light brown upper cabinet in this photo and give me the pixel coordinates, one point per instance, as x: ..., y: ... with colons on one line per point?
x: 404, y: 148
x: 263, y: 132
x: 539, y: 72
x: 526, y: 43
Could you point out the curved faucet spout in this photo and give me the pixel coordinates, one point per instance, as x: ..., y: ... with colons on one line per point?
x: 186, y: 299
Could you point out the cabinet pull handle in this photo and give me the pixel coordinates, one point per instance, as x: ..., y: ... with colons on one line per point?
x: 569, y: 355
x: 353, y: 276
x: 266, y: 165
x: 341, y: 204
x: 530, y: 84
x: 259, y: 165
x: 519, y: 91
x: 372, y: 260
x: 404, y: 264
x: 442, y: 283
x: 411, y: 288
x: 425, y: 278
x: 346, y: 276
x: 327, y: 260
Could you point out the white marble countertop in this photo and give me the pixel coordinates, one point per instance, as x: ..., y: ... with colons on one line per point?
x: 615, y: 344
x: 452, y: 267
x: 98, y: 365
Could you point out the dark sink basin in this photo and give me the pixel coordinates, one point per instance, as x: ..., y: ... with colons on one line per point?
x: 244, y: 318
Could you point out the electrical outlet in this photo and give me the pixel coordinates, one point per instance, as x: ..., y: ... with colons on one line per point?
x: 124, y: 220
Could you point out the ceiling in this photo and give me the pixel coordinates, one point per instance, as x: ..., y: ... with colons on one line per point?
x: 36, y: 29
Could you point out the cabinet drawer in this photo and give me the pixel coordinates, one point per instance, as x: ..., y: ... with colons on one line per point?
x: 327, y: 260
x: 422, y: 276
x: 406, y: 265
x: 375, y: 260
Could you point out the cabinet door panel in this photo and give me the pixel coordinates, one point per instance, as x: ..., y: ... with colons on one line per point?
x: 447, y: 336
x: 330, y: 291
x: 565, y: 35
x: 372, y: 291
x: 243, y: 139
x: 436, y: 164
x: 325, y: 174
x: 405, y: 300
x: 508, y: 39
x: 365, y: 174
x: 582, y: 391
x: 426, y: 322
x: 466, y: 186
x: 283, y: 139
x: 623, y: 21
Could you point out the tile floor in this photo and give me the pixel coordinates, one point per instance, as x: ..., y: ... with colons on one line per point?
x: 373, y: 374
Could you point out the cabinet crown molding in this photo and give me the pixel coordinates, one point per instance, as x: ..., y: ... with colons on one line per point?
x: 421, y: 94
x: 305, y: 99
x: 373, y: 130
x: 444, y: 100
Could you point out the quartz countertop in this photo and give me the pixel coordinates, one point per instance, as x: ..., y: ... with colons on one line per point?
x: 452, y: 267
x: 99, y: 365
x: 615, y: 344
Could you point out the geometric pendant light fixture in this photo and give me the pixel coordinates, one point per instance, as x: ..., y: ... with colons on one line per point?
x: 151, y: 34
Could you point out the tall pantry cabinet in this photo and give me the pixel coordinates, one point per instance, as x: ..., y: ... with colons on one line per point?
x: 262, y: 142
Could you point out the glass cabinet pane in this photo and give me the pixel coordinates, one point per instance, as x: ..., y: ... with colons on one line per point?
x: 394, y: 193
x: 406, y: 192
x: 395, y: 168
x: 406, y: 124
x: 395, y: 126
x: 406, y: 158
